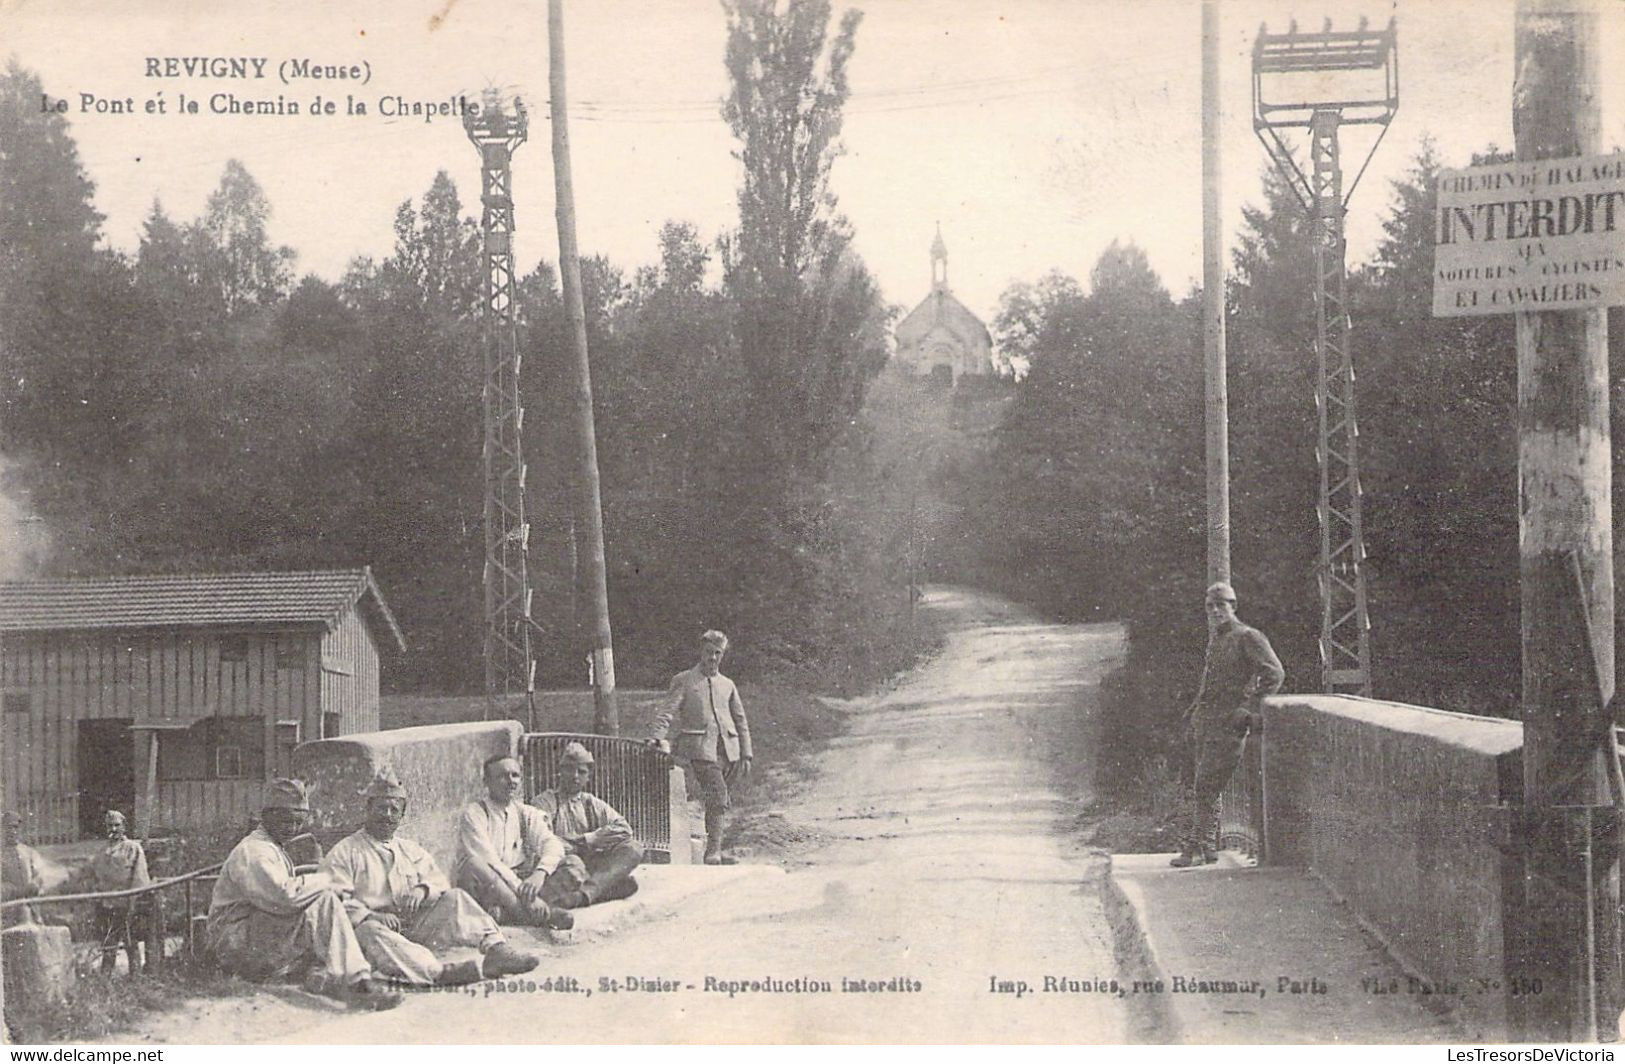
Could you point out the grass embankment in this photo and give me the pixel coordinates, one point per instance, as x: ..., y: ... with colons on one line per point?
x: 1139, y: 801
x: 101, y: 1006
x: 1139, y: 750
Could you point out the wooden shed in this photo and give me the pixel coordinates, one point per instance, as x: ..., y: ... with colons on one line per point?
x: 178, y: 696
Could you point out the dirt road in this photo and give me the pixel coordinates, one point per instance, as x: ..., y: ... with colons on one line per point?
x: 950, y: 878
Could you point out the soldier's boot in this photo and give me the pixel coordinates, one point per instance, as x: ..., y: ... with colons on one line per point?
x: 460, y: 973
x: 368, y: 993
x: 617, y: 891
x: 1194, y: 855
x: 371, y: 995
x: 576, y: 899
x: 502, y: 959
x: 713, y: 837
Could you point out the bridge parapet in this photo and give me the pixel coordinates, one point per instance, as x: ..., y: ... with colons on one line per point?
x: 1404, y: 812
x: 438, y: 763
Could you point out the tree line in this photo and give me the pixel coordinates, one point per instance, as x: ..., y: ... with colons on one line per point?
x: 1091, y: 497
x: 196, y: 404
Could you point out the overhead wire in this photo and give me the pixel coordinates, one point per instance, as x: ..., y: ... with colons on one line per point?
x: 960, y: 93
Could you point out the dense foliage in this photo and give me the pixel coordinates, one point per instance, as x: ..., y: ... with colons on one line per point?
x: 1093, y: 500
x: 195, y: 405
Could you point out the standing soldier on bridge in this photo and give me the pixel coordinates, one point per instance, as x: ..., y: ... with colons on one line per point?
x: 1240, y: 669
x: 713, y: 735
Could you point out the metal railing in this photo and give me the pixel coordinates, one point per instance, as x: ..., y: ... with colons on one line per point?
x: 629, y: 774
x: 1241, y: 805
x: 145, y: 915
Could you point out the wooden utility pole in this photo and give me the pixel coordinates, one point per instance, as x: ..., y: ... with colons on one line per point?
x: 589, y: 515
x: 1218, y: 403
x: 1566, y: 558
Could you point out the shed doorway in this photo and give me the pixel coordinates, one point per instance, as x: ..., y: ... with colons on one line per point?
x: 106, y: 772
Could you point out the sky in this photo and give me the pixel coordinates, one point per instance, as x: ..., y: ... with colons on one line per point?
x: 1035, y: 132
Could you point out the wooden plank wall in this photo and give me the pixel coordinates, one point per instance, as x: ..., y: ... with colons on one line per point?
x: 206, y: 804
x: 350, y: 676
x: 367, y: 681
x: 141, y: 676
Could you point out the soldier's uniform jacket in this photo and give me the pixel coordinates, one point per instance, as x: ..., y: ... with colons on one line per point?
x: 1240, y: 667
x: 379, y: 876
x: 259, y: 875
x: 704, y: 711
x: 512, y: 840
x: 119, y: 866
x: 578, y: 816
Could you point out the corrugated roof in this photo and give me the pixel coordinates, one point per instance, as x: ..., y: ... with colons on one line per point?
x: 193, y: 600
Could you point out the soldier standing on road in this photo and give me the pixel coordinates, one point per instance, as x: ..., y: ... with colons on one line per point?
x: 713, y: 735
x: 1240, y: 669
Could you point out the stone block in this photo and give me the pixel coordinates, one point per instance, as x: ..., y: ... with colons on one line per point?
x: 37, y: 961
x: 439, y: 764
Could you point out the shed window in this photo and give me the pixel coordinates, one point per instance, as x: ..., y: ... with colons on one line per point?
x: 290, y: 656
x: 247, y: 734
x: 228, y: 762
x: 17, y: 701
x: 184, y: 755
x: 234, y: 648
x: 214, y: 748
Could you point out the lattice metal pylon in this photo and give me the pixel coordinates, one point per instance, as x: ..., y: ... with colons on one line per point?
x: 1345, y: 628
x: 1345, y: 644
x: 509, y: 665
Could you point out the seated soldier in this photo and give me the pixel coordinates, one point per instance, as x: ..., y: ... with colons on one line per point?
x: 266, y: 921
x: 402, y: 906
x: 506, y: 852
x: 120, y: 865
x: 602, y: 851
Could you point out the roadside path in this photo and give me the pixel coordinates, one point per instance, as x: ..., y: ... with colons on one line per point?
x: 951, y: 870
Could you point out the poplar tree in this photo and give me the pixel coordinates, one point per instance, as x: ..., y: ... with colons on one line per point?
x: 804, y: 303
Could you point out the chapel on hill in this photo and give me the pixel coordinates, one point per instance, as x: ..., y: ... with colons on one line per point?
x: 941, y: 335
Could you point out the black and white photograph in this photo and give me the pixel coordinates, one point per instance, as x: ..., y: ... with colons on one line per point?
x: 802, y: 522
